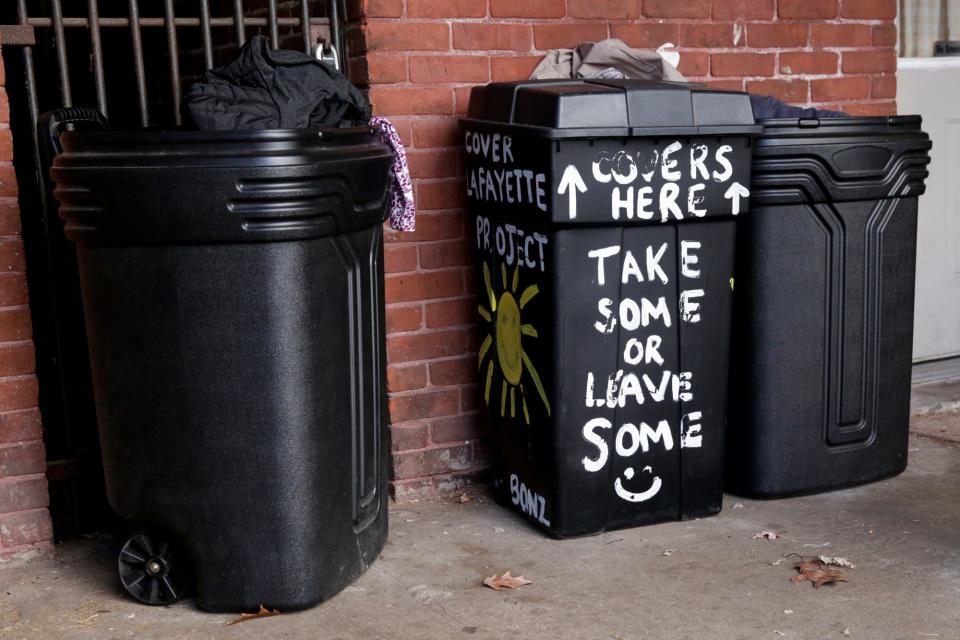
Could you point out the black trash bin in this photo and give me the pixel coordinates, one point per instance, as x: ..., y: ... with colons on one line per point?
x: 603, y: 216
x: 823, y: 312
x: 233, y: 293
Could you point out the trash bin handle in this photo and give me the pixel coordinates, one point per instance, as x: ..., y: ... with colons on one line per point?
x: 51, y: 123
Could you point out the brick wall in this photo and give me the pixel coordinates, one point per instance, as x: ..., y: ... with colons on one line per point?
x: 420, y: 58
x: 24, y: 520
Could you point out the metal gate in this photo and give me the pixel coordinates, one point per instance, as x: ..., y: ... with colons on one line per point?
x: 132, y: 61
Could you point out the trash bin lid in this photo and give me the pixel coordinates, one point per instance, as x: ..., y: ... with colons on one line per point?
x: 616, y: 107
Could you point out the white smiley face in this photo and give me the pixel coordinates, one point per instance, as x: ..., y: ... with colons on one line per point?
x: 630, y: 496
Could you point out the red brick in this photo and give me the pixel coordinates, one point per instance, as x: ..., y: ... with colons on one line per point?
x: 470, y: 399
x: 20, y: 494
x: 884, y: 35
x: 407, y: 36
x: 17, y: 358
x: 646, y: 35
x: 440, y: 194
x: 676, y: 8
x: 436, y: 132
x: 528, y: 8
x: 433, y: 163
x: 431, y: 226
x: 763, y: 36
x: 559, y: 36
x: 869, y: 61
x: 8, y: 178
x: 411, y: 101
x: 383, y: 8
x: 443, y: 69
x: 408, y: 437
x: 4, y: 108
x: 740, y: 64
x: 462, y: 428
x: 430, y: 404
x: 20, y: 426
x: 694, y: 64
x: 883, y: 86
x: 432, y: 461
x: 385, y: 68
x: 25, y: 527
x: 707, y: 36
x: 9, y: 216
x: 18, y: 393
x: 802, y: 62
x: 449, y: 253
x: 404, y: 318
x: 409, y: 287
x: 451, y: 313
x: 510, y: 68
x: 458, y: 371
x: 413, y: 347
x: 446, y: 8
x: 869, y: 9
x: 739, y: 9
x: 406, y: 378
x: 15, y: 324
x: 13, y: 289
x: 807, y: 9
x: 487, y: 36
x: 22, y: 459
x: 6, y: 143
x: 792, y: 91
x: 11, y: 255
x: 726, y: 85
x: 404, y: 127
x: 400, y: 258
x: 461, y: 100
x: 888, y: 108
x: 850, y: 88
x: 605, y: 9
x: 840, y: 35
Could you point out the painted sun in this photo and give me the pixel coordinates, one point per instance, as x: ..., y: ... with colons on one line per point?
x: 507, y: 330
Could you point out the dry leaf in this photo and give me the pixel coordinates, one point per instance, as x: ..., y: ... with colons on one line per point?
x: 838, y: 562
x: 768, y: 535
x: 669, y: 552
x: 506, y: 581
x: 263, y: 613
x: 818, y: 573
x: 463, y: 498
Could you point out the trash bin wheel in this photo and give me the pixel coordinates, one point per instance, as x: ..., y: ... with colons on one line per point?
x: 152, y: 569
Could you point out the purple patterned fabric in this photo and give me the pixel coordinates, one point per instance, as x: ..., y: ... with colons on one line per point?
x: 402, y: 209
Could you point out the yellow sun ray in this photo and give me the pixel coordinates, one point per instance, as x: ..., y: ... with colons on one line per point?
x: 503, y: 399
x: 536, y: 380
x: 529, y: 330
x: 513, y: 402
x: 516, y: 278
x: 486, y: 281
x: 503, y: 272
x: 482, y: 310
x: 486, y: 393
x: 484, y: 347
x: 528, y: 294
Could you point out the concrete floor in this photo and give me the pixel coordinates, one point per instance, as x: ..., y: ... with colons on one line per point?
x: 902, y: 534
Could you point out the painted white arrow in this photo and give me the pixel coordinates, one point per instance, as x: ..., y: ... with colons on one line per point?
x: 735, y: 192
x: 571, y: 183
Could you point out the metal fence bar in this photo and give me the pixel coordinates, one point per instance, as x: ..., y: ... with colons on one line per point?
x: 334, y: 16
x: 174, y: 59
x: 305, y: 25
x: 272, y: 20
x: 96, y: 48
x: 239, y: 22
x: 113, y: 22
x: 61, y: 44
x: 138, y: 63
x: 207, y: 39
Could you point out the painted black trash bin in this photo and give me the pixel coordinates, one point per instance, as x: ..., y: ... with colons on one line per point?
x: 603, y: 216
x: 233, y: 293
x: 823, y: 311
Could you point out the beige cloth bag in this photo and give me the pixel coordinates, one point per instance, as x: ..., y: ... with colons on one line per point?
x: 610, y: 58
